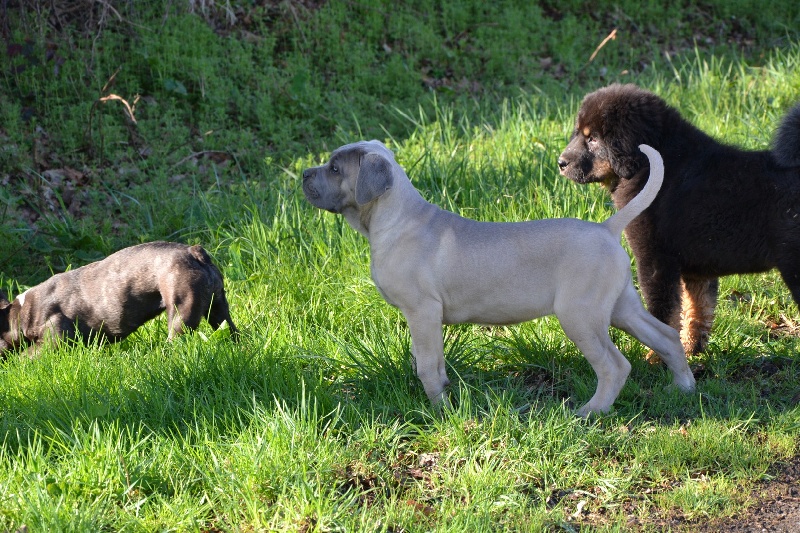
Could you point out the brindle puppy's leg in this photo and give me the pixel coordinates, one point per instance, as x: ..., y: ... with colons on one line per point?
x: 57, y: 328
x: 220, y: 312
x: 186, y: 314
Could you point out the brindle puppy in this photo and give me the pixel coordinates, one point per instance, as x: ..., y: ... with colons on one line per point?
x: 113, y: 297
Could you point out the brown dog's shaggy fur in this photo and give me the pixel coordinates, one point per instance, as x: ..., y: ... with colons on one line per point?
x: 720, y: 211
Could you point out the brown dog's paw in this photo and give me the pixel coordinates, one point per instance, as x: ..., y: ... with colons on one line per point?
x: 653, y: 358
x: 694, y: 344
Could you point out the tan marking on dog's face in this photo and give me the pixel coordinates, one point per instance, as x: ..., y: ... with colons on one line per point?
x: 585, y: 159
x: 601, y: 168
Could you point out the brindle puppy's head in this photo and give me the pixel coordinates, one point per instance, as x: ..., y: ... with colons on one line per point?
x: 612, y: 122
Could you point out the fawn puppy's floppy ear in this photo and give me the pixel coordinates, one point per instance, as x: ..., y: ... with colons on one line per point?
x: 374, y: 178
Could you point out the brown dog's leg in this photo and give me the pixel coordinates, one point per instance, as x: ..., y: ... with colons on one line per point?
x: 184, y: 304
x: 790, y: 272
x: 697, y: 316
x: 661, y: 289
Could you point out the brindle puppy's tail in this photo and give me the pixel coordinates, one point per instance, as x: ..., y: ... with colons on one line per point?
x: 786, y: 145
x: 642, y: 201
x: 199, y: 253
x: 215, y: 276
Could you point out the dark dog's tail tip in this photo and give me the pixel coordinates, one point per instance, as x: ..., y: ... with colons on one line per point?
x: 786, y: 147
x: 199, y: 253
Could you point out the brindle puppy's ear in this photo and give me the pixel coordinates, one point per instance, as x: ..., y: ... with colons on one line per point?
x: 5, y: 310
x: 374, y: 178
x: 630, y: 121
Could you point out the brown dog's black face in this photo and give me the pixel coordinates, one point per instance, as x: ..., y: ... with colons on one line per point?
x: 611, y: 124
x: 586, y: 158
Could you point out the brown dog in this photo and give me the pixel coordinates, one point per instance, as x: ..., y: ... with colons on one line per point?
x: 111, y: 298
x: 721, y: 210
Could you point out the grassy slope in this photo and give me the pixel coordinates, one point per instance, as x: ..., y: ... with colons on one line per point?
x: 316, y: 420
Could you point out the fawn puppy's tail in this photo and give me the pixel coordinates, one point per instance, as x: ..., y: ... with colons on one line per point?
x: 642, y: 201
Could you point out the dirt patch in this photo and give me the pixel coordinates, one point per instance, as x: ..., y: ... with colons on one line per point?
x: 777, y: 507
x: 773, y: 507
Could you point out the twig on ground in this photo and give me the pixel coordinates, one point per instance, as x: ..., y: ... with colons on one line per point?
x: 610, y: 37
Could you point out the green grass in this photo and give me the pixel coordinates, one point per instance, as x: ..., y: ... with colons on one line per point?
x: 316, y: 421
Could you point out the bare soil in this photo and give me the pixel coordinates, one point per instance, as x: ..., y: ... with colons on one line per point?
x: 776, y: 508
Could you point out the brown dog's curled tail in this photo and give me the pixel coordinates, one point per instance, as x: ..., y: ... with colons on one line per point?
x: 642, y: 201
x: 786, y: 146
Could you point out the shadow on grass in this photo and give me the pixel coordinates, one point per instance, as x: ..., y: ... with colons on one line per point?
x: 191, y: 383
x: 532, y: 368
x: 169, y: 389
